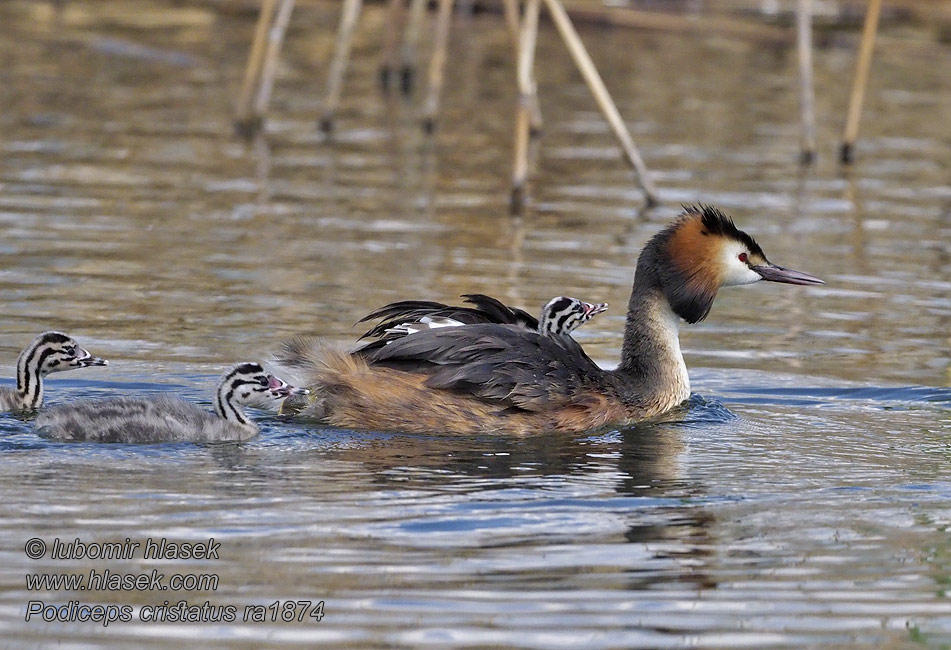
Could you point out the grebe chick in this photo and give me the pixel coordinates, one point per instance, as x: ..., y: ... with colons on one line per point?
x: 560, y: 315
x: 49, y: 352
x: 170, y: 419
x: 563, y: 315
x: 502, y: 378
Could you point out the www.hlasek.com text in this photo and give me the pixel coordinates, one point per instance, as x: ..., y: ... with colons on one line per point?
x: 106, y: 580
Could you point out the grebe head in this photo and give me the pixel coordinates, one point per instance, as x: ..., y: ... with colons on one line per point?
x: 702, y: 251
x: 248, y: 384
x: 55, y: 352
x: 561, y: 315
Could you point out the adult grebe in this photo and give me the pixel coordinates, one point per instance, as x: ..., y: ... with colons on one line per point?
x: 489, y: 377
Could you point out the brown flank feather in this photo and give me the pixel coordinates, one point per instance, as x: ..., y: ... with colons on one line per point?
x: 351, y: 394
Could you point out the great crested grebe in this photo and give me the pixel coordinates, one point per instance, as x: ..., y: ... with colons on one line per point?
x: 170, y: 419
x: 560, y: 315
x: 49, y: 352
x: 489, y: 377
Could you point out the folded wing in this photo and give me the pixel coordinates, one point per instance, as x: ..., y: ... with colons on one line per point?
x: 397, y: 315
x: 503, y: 364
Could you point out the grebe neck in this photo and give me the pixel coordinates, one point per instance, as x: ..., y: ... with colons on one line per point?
x: 652, y: 366
x: 226, y: 406
x: 30, y: 377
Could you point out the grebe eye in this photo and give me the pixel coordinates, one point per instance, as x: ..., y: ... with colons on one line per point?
x: 742, y: 257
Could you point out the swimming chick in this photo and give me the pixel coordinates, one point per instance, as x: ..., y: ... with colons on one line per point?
x: 504, y: 378
x: 560, y: 315
x: 170, y: 419
x: 49, y: 352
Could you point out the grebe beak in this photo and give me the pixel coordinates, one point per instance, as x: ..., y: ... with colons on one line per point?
x: 775, y: 273
x: 279, y: 388
x: 592, y: 310
x: 84, y: 359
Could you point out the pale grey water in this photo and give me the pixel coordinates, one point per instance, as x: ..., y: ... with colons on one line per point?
x: 801, y: 501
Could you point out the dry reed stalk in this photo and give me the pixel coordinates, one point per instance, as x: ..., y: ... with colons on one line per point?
x: 662, y: 21
x: 601, y: 95
x: 437, y: 64
x: 860, y: 82
x: 245, y: 122
x: 414, y: 28
x: 392, y: 28
x: 528, y: 38
x: 807, y: 148
x: 338, y: 65
x: 275, y: 39
x: 510, y: 11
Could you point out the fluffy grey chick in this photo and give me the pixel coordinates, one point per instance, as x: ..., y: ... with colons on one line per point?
x: 170, y: 419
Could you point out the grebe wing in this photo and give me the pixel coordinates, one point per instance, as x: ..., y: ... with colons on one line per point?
x: 504, y: 364
x: 485, y: 310
x: 497, y: 312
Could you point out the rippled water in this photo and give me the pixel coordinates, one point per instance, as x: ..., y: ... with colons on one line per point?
x: 800, y: 500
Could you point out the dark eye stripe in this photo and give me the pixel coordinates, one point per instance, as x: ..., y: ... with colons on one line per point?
x: 563, y: 320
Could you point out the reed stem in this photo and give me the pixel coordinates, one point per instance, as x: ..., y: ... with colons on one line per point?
x: 338, y: 65
x: 807, y: 148
x: 860, y: 82
x: 245, y: 122
x: 275, y: 37
x: 528, y: 39
x: 437, y: 65
x: 601, y: 95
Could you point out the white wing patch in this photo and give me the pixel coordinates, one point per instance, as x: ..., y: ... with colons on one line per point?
x: 424, y: 323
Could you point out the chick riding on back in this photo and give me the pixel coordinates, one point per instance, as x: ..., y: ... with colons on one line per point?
x: 560, y: 315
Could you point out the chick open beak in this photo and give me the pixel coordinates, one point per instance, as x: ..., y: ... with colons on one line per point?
x: 279, y: 388
x: 591, y: 309
x: 775, y: 273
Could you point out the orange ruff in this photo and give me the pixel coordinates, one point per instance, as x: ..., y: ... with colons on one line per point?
x: 696, y: 254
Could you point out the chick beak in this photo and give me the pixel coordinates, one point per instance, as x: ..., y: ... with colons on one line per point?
x: 84, y: 359
x: 279, y: 388
x: 775, y: 273
x: 594, y: 309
